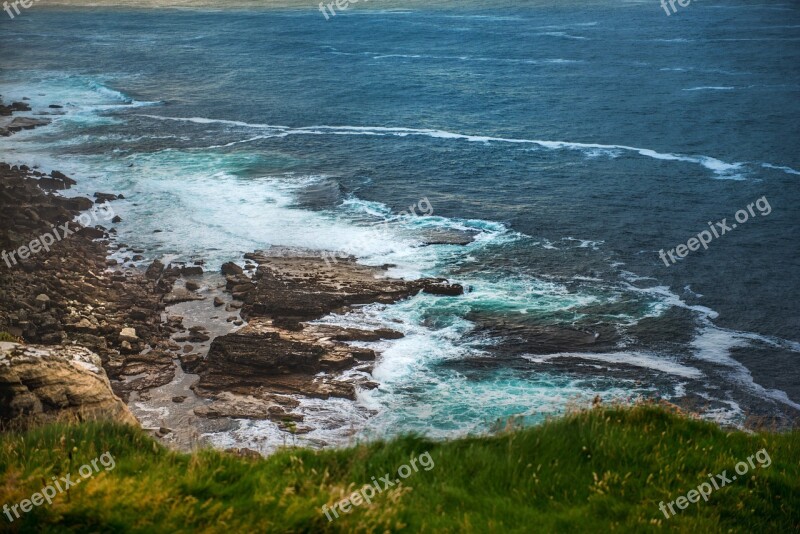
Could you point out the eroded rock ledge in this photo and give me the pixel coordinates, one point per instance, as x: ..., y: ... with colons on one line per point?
x: 279, y: 352
x: 41, y: 384
x: 304, y: 285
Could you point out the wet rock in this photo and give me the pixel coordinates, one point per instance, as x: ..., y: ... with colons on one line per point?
x: 231, y: 268
x: 449, y: 237
x: 308, y: 285
x: 105, y: 197
x: 92, y: 233
x: 190, y: 362
x: 191, y: 270
x: 248, y: 407
x: 289, y: 323
x: 154, y: 270
x: 76, y: 203
x: 157, y: 369
x: 138, y: 314
x: 180, y: 294
x: 442, y: 287
x: 261, y: 355
x: 22, y: 123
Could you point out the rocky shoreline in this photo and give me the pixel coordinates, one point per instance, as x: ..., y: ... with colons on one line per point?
x: 189, y: 351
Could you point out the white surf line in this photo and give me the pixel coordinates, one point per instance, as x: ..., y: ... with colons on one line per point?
x: 718, y: 167
x: 787, y: 170
x: 636, y: 359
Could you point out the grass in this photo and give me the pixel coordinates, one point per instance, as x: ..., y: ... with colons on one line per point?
x: 593, y: 471
x: 5, y: 336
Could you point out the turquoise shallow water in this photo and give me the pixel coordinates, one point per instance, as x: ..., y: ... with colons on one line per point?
x: 572, y: 142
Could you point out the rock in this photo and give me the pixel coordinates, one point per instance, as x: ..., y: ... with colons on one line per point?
x: 354, y: 334
x: 180, y: 294
x: 116, y: 219
x: 198, y: 337
x: 265, y: 351
x: 22, y: 123
x: 287, y: 323
x: 442, y: 287
x: 91, y: 233
x: 42, y: 384
x: 156, y: 366
x: 175, y: 320
x: 249, y: 407
x: 85, y: 325
x: 190, y: 362
x: 192, y: 270
x: 231, y: 268
x: 307, y: 285
x: 192, y: 286
x: 363, y: 354
x: 128, y: 334
x: 138, y: 314
x: 387, y: 333
x: 76, y: 203
x: 179, y: 399
x: 155, y: 270
x: 105, y: 197
x: 449, y: 237
x: 57, y: 182
x: 261, y: 355
x: 218, y: 302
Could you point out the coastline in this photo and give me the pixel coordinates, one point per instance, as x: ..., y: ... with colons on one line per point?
x: 226, y: 357
x: 213, y: 347
x: 406, y: 271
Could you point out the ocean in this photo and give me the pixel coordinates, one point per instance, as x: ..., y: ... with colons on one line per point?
x: 571, y: 143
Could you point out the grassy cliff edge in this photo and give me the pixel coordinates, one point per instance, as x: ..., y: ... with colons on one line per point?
x: 598, y: 470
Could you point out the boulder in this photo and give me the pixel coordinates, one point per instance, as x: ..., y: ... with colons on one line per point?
x: 42, y: 384
x: 231, y: 268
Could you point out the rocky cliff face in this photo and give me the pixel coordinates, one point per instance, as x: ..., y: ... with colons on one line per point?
x: 40, y: 384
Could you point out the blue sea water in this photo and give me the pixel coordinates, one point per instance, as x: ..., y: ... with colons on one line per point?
x: 573, y: 142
